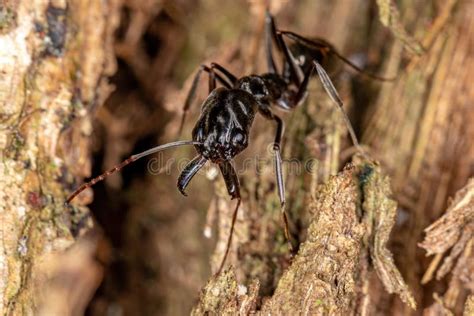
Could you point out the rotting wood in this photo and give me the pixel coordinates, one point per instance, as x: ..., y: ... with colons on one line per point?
x: 453, y: 231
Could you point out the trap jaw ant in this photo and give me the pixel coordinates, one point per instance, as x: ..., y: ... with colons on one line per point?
x: 227, y: 114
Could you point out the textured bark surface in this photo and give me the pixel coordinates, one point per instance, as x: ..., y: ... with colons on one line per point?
x: 454, y: 231
x: 54, y: 59
x: 351, y: 217
x: 420, y: 129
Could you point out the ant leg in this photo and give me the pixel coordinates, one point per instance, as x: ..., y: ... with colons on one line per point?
x: 226, y: 73
x: 212, y: 80
x: 296, y: 74
x: 189, y: 171
x: 322, y: 45
x: 270, y: 35
x: 302, y: 89
x: 278, y: 169
x: 325, y: 48
x: 233, y: 187
x: 332, y: 92
x: 192, y: 92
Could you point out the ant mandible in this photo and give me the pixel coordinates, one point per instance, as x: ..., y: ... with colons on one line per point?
x: 222, y: 130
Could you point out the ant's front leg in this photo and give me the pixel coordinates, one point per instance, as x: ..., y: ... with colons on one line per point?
x: 278, y: 168
x: 192, y: 92
x: 227, y: 74
x: 213, y: 76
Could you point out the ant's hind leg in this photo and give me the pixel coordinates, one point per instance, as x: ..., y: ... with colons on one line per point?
x: 233, y: 187
x: 326, y: 49
x: 332, y: 92
x: 270, y: 36
x: 295, y: 74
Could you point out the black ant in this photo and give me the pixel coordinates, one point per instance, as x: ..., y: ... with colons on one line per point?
x: 222, y: 130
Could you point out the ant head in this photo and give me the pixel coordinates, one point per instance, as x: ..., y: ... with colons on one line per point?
x: 220, y: 144
x: 223, y: 127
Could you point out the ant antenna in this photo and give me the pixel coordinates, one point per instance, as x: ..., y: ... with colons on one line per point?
x: 126, y: 162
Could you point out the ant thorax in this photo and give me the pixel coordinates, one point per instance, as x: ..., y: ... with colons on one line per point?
x: 266, y: 88
x: 255, y: 85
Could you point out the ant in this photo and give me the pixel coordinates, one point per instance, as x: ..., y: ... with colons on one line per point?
x: 222, y: 130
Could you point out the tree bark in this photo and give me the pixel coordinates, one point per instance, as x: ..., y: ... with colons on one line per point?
x: 352, y: 216
x: 420, y: 129
x: 54, y: 61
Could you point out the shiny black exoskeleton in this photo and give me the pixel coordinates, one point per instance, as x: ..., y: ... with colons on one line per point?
x: 226, y: 118
x: 223, y: 127
x: 222, y: 130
